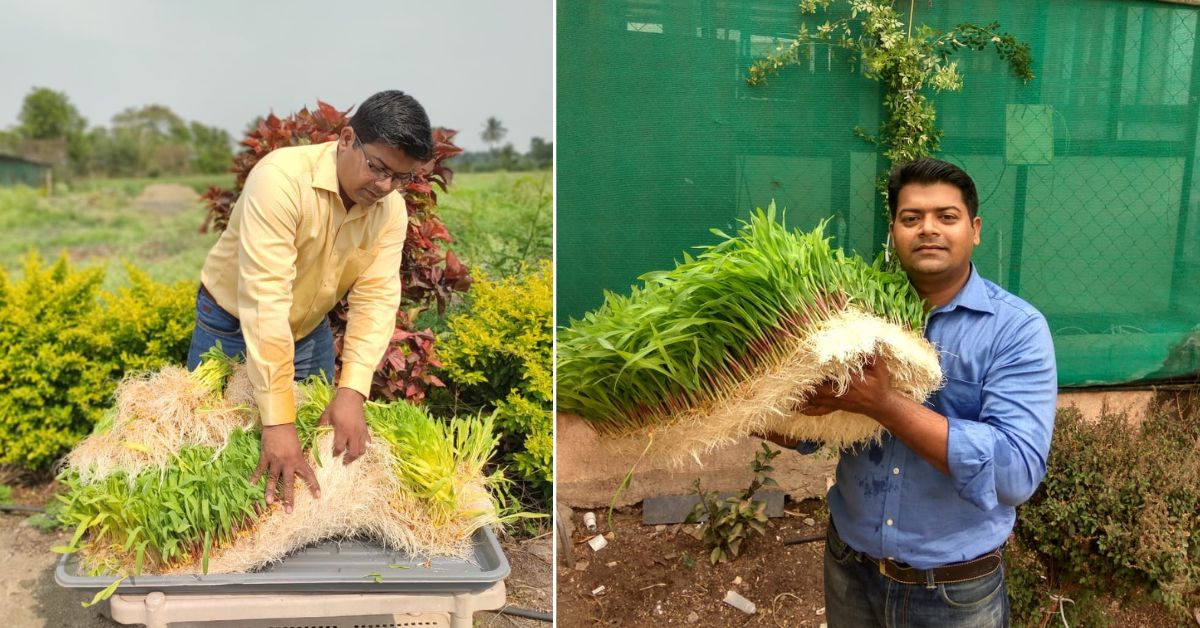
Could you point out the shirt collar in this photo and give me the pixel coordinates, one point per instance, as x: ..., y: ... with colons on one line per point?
x: 973, y: 296
x: 325, y: 176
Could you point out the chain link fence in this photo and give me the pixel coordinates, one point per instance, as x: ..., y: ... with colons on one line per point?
x: 1086, y: 174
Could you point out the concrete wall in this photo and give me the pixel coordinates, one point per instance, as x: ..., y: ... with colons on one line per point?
x: 588, y: 473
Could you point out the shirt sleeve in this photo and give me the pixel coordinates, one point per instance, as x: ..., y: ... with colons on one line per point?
x: 371, y: 315
x: 266, y: 271
x: 1001, y: 457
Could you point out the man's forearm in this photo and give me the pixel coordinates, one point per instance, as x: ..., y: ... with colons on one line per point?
x: 923, y: 430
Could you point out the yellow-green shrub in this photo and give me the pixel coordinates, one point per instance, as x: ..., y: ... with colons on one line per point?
x: 63, y: 347
x: 51, y: 388
x: 498, y: 357
x: 149, y: 324
x: 533, y: 420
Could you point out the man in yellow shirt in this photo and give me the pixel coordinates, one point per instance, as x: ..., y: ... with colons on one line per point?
x: 313, y: 224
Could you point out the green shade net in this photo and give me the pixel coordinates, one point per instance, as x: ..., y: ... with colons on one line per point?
x: 1086, y: 174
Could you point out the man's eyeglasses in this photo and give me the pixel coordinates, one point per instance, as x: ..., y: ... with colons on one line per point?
x: 383, y: 174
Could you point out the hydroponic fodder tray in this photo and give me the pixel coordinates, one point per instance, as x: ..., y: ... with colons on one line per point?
x: 332, y: 567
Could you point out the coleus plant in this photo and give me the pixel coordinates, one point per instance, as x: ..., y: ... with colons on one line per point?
x: 430, y: 274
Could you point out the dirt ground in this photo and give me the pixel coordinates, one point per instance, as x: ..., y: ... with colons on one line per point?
x: 661, y: 575
x: 167, y: 197
x: 29, y: 597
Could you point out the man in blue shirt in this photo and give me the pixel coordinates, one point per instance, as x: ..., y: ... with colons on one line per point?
x: 917, y: 521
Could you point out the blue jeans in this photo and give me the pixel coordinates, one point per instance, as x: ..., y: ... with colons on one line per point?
x: 858, y: 596
x: 314, y: 352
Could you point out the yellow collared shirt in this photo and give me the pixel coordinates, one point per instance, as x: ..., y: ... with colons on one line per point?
x: 290, y: 253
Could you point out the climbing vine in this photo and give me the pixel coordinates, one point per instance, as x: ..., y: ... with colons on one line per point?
x: 906, y: 63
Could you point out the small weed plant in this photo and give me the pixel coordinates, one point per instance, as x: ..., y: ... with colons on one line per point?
x: 730, y: 521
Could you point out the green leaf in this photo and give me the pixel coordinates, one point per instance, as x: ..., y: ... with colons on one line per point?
x: 378, y: 577
x: 136, y: 446
x: 207, y: 546
x: 104, y: 593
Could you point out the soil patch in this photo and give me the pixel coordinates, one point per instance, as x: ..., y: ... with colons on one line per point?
x: 528, y: 586
x: 167, y: 197
x: 659, y: 575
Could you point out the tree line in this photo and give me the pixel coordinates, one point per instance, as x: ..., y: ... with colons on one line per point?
x: 152, y: 140
x: 506, y: 157
x: 148, y: 141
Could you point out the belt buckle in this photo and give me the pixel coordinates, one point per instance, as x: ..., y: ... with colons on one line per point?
x: 882, y: 569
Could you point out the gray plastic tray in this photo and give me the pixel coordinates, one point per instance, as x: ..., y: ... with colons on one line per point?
x: 329, y: 567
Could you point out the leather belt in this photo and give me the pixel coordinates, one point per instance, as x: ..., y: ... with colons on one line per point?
x: 208, y: 294
x: 979, y: 567
x: 955, y: 572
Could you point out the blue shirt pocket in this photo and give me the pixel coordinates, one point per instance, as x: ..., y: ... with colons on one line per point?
x: 959, y: 399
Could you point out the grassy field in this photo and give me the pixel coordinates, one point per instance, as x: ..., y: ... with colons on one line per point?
x: 104, y: 227
x: 134, y: 185
x: 499, y: 220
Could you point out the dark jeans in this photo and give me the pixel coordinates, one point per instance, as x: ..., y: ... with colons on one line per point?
x: 314, y: 352
x: 858, y: 596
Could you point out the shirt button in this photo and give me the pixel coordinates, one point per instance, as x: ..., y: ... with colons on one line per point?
x: 895, y: 470
x: 889, y: 522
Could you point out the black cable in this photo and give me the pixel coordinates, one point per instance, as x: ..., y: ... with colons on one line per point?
x: 17, y: 508
x: 805, y: 539
x: 517, y: 611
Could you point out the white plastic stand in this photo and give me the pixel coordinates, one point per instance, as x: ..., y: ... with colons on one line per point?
x: 451, y: 610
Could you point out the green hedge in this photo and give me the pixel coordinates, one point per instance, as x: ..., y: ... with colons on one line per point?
x: 64, y: 345
x: 1118, y: 513
x: 498, y: 358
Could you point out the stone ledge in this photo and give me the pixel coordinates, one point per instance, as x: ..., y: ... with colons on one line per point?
x: 587, y: 474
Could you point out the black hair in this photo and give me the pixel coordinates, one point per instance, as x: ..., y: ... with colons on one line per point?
x: 396, y: 119
x: 927, y: 171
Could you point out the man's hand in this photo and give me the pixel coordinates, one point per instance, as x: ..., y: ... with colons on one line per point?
x: 865, y: 394
x: 802, y: 446
x: 281, y: 459
x: 345, y: 414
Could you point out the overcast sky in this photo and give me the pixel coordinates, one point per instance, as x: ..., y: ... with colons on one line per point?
x: 223, y: 62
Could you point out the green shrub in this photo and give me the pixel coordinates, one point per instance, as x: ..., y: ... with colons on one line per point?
x: 1119, y: 509
x: 53, y: 386
x: 149, y: 324
x: 64, y: 345
x: 498, y: 358
x: 532, y: 420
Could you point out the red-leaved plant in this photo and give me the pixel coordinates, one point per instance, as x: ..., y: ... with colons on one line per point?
x: 429, y: 274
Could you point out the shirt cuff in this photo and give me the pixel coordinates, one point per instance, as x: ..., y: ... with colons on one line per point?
x: 357, y: 376
x: 276, y: 408
x: 970, y: 446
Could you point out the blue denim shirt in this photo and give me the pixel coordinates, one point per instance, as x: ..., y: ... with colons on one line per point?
x: 999, y: 398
